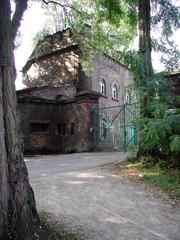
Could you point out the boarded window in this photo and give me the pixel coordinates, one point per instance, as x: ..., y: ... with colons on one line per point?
x: 39, y: 127
x: 62, y: 129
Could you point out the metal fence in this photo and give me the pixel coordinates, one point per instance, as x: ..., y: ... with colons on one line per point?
x: 114, y: 128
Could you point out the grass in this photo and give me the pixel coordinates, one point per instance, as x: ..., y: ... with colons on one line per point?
x: 163, y: 180
x: 166, y: 180
x: 54, y: 229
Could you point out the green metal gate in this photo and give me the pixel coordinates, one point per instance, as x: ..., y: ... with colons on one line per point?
x: 113, y: 127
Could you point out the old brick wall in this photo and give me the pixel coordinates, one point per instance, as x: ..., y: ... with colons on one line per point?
x: 174, y: 83
x: 113, y: 73
x: 38, y: 112
x: 76, y: 112
x: 61, y: 68
x: 52, y: 43
x: 49, y: 93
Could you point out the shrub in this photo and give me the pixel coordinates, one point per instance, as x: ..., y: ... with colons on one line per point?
x: 69, y: 150
x: 161, y: 139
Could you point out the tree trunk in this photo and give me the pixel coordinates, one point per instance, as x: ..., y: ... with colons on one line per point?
x: 18, y: 218
x: 145, y: 54
x: 146, y: 72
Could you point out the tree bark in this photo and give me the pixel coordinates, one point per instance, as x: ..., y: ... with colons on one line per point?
x: 18, y: 218
x: 146, y: 73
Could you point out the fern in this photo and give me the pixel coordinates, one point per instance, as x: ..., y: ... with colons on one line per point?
x: 175, y: 144
x: 174, y: 122
x: 155, y: 133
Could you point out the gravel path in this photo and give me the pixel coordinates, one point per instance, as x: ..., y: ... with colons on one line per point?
x: 105, y: 207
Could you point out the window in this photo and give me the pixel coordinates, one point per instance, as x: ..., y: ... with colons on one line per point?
x: 62, y: 129
x: 72, y: 128
x: 128, y: 97
x: 103, y: 87
x: 114, y: 92
x: 39, y: 127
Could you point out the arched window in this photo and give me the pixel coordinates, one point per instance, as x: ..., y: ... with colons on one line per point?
x: 114, y: 91
x: 128, y: 97
x: 102, y: 87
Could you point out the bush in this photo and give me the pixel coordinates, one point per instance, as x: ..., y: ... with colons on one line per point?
x: 69, y: 150
x: 132, y: 159
x: 161, y: 140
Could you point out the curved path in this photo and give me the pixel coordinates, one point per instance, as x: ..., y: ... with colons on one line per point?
x: 105, y: 207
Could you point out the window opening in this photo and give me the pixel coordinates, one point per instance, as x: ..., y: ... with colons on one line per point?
x: 62, y: 129
x: 128, y: 97
x: 72, y: 128
x: 114, y: 92
x: 103, y: 87
x: 39, y: 127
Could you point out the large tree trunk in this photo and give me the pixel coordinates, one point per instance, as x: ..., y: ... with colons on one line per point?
x: 146, y: 72
x: 145, y: 54
x: 18, y: 215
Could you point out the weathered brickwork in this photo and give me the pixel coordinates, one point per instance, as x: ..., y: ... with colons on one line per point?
x: 50, y: 93
x: 41, y: 120
x: 56, y: 62
x: 174, y: 83
x: 111, y: 72
x: 59, y: 69
x: 56, y: 109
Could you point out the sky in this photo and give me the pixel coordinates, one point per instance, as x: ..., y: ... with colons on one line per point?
x: 32, y: 22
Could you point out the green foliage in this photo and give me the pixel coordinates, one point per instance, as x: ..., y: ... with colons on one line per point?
x: 111, y: 10
x: 155, y: 130
x: 134, y: 62
x: 167, y: 14
x: 131, y: 159
x: 57, y: 19
x: 113, y: 26
x: 156, y: 89
x: 69, y: 150
x: 161, y: 139
x: 39, y: 36
x: 175, y: 144
x: 102, y: 27
x: 53, y: 229
x: 166, y: 180
x: 109, y: 27
x: 165, y: 21
x: 174, y: 121
x: 169, y: 53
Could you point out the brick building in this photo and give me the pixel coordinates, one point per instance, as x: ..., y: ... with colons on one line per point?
x: 55, y: 109
x: 173, y: 80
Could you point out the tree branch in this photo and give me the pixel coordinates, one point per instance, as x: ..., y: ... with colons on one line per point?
x: 21, y: 6
x: 62, y: 5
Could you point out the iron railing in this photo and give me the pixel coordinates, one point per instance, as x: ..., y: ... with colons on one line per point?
x: 114, y: 127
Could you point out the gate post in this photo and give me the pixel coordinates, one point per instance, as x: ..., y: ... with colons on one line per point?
x: 124, y: 126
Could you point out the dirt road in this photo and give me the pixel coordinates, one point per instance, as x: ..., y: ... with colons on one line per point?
x: 104, y: 206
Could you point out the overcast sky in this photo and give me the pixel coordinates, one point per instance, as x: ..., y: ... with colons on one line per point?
x: 33, y: 21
